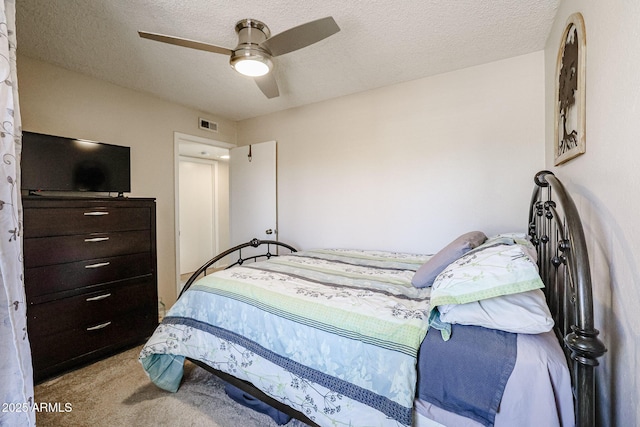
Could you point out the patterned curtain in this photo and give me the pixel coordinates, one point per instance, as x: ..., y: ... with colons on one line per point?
x: 16, y: 372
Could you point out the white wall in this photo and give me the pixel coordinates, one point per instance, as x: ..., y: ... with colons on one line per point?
x: 383, y: 168
x: 411, y: 166
x: 59, y: 102
x: 605, y: 182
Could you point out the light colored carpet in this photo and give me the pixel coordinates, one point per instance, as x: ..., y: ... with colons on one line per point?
x: 117, y: 392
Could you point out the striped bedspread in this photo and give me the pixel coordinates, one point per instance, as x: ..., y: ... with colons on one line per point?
x: 332, y: 333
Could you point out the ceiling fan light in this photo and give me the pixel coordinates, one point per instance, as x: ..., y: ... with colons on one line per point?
x: 252, y: 67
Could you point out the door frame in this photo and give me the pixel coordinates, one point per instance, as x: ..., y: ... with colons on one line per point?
x: 179, y: 137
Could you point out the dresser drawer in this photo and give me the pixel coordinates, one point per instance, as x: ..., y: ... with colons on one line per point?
x: 92, y: 310
x: 49, y: 279
x: 42, y: 222
x: 54, y: 352
x: 64, y: 249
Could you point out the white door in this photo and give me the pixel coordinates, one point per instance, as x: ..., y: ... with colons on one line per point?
x: 252, y: 180
x: 196, y: 216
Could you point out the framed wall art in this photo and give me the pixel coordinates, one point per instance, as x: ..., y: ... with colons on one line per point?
x: 570, y: 92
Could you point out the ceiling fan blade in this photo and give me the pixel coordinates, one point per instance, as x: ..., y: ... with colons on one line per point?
x: 185, y: 43
x: 301, y: 36
x: 268, y: 85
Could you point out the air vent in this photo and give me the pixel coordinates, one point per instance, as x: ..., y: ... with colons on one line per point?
x: 207, y: 125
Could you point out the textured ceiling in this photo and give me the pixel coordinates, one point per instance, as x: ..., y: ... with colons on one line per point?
x: 381, y: 42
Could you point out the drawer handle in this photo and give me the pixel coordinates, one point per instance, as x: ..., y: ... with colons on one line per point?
x: 99, y: 297
x: 98, y: 265
x: 96, y: 213
x: 102, y: 325
x: 96, y: 239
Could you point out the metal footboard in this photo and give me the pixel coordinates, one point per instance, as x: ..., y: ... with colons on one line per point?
x: 271, y: 249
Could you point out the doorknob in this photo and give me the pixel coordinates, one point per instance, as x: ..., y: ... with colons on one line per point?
x: 269, y: 231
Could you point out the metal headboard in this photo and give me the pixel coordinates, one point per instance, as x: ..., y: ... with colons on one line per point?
x: 556, y: 230
x: 269, y: 245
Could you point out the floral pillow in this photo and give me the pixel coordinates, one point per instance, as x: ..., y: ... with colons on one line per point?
x: 491, y: 272
x: 510, y: 239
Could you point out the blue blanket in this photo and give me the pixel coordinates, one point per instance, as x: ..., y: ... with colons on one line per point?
x: 478, y: 393
x: 334, y: 334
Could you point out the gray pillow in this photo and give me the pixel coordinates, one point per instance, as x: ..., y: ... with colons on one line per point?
x: 428, y: 271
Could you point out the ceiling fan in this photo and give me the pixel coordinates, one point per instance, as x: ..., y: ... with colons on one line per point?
x: 256, y: 48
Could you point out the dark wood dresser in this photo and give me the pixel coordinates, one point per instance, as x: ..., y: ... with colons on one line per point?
x: 90, y: 278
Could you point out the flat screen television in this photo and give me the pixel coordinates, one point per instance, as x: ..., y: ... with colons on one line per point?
x: 55, y: 163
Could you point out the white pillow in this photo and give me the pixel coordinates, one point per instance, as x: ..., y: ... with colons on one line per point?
x: 525, y: 313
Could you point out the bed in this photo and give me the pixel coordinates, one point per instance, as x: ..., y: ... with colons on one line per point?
x: 491, y: 330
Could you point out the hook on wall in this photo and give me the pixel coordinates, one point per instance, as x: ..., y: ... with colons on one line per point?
x: 250, y: 156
